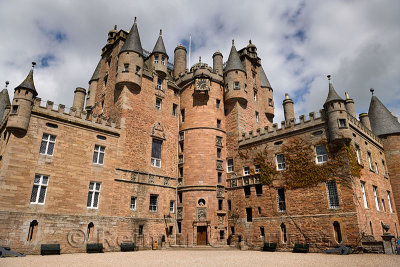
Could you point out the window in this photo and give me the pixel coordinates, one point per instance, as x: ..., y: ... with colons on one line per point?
x: 257, y: 168
x: 140, y: 230
x: 262, y: 232
x: 229, y: 164
x: 93, y: 195
x: 247, y: 191
x: 246, y: 170
x: 332, y: 194
x: 376, y: 168
x: 158, y: 103
x: 47, y: 145
x: 180, y: 197
x: 153, y: 203
x: 98, y: 154
x: 259, y: 210
x: 376, y: 197
x: 221, y: 234
x: 383, y: 204
x: 137, y: 69
x: 159, y: 83
x: 270, y: 103
x: 384, y: 168
x: 126, y: 67
x: 249, y: 214
x: 257, y: 116
x: 280, y: 162
x: 229, y: 205
x: 172, y: 206
x: 371, y: 167
x: 338, y: 232
x: 259, y: 190
x: 281, y: 199
x: 181, y: 146
x: 232, y: 230
x: 39, y: 189
x: 342, y: 123
x: 14, y: 109
x: 371, y: 228
x: 364, y: 195
x: 179, y: 227
x: 218, y: 124
x: 236, y: 85
x: 183, y: 115
x: 389, y: 202
x: 163, y: 60
x: 218, y: 102
x: 180, y: 172
x: 322, y: 155
x: 283, y: 233
x: 220, y: 177
x: 174, y: 108
x: 255, y: 96
x: 219, y: 152
x: 32, y: 230
x: 220, y: 203
x: 133, y: 203
x: 358, y: 153
x: 155, y: 59
x: 156, y: 153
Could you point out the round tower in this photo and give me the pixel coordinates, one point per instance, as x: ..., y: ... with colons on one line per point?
x: 264, y: 84
x: 159, y: 58
x: 79, y: 99
x: 335, y: 109
x: 364, y: 119
x: 218, y: 62
x: 130, y: 61
x: 91, y: 94
x: 288, y: 109
x: 179, y: 60
x: 235, y: 78
x: 20, y: 114
x: 350, y: 106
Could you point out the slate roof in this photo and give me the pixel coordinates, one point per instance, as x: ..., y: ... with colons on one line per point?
x: 263, y: 79
x: 160, y: 47
x: 96, y: 73
x: 234, y: 62
x: 132, y: 42
x: 28, y: 83
x: 332, y: 94
x: 382, y: 121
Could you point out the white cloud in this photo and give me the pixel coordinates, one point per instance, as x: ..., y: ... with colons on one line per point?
x: 299, y: 42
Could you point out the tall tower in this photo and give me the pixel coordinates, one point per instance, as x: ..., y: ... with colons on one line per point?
x: 335, y: 109
x: 130, y: 61
x: 159, y: 58
x: 20, y: 114
x: 179, y: 60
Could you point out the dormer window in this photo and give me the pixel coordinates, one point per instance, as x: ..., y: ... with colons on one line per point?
x: 236, y: 85
x: 156, y: 59
x: 163, y: 60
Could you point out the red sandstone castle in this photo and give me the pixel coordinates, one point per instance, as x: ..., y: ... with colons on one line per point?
x: 165, y: 153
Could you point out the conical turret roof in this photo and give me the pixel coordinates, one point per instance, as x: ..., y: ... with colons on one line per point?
x: 28, y: 82
x: 234, y: 62
x: 160, y: 47
x: 263, y: 79
x: 96, y: 73
x: 132, y: 42
x: 4, y: 101
x: 332, y: 94
x: 382, y: 121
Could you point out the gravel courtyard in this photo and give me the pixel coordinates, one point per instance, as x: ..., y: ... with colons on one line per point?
x: 202, y: 258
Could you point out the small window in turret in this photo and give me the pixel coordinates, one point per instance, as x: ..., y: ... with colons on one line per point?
x: 14, y: 109
x: 342, y: 123
x: 163, y: 60
x: 137, y: 69
x: 126, y: 67
x: 156, y: 59
x: 270, y: 103
x: 236, y: 85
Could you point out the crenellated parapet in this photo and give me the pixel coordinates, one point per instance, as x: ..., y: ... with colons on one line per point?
x: 74, y: 116
x: 356, y: 124
x: 294, y: 126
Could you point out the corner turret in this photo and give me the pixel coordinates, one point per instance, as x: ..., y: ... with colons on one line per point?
x: 91, y: 94
x: 4, y: 101
x: 235, y: 78
x: 179, y: 60
x: 288, y: 109
x: 335, y: 109
x: 350, y: 106
x: 130, y: 61
x: 218, y: 63
x: 20, y: 114
x: 159, y: 58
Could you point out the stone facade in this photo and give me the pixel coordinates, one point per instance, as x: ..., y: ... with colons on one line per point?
x: 156, y: 156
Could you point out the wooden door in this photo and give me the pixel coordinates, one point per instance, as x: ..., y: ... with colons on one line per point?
x: 202, y: 235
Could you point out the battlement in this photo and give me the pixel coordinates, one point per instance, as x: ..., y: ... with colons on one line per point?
x: 286, y: 127
x: 71, y: 115
x: 367, y: 132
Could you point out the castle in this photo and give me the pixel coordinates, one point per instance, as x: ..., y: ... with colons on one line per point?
x: 162, y: 153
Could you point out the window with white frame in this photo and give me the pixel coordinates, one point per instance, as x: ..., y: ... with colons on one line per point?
x: 163, y: 60
x: 93, y: 195
x: 39, y: 189
x: 280, y: 162
x: 159, y: 83
x: 371, y: 167
x: 364, y: 195
x: 47, y: 145
x: 389, y: 201
x: 158, y: 103
x: 358, y: 153
x: 171, y: 206
x: 133, y: 203
x: 342, y: 123
x: 229, y: 165
x: 322, y: 155
x: 98, y: 154
x: 153, y: 203
x: 376, y: 197
x: 257, y: 116
x: 257, y: 168
x: 156, y: 153
x: 156, y: 59
x: 332, y: 194
x: 246, y: 170
x: 236, y: 85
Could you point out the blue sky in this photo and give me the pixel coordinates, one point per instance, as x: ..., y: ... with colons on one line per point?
x: 299, y: 43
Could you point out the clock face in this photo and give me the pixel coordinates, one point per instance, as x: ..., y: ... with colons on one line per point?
x: 202, y: 84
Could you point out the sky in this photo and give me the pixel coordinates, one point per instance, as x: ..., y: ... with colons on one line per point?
x: 299, y: 43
